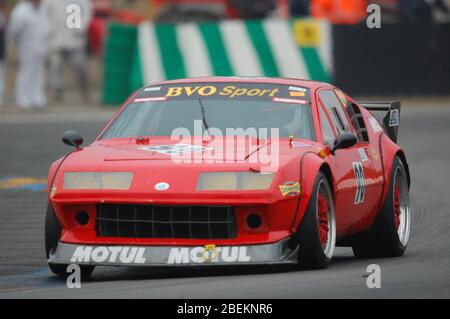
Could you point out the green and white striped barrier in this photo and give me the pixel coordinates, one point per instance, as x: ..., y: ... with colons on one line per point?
x: 300, y: 48
x: 242, y: 48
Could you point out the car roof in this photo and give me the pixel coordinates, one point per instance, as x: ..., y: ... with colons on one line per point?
x: 247, y: 79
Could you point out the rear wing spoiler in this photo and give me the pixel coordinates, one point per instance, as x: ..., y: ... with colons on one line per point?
x: 388, y: 114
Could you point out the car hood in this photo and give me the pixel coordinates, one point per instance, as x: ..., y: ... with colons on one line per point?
x: 162, y: 151
x: 151, y: 165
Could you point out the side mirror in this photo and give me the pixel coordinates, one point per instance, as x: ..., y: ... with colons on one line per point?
x: 344, y: 140
x: 72, y: 138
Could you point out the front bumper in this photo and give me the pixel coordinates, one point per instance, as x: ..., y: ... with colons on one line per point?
x: 275, y: 253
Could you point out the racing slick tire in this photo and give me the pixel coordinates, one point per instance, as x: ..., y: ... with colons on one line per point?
x: 316, y: 234
x: 389, y: 234
x: 52, y: 235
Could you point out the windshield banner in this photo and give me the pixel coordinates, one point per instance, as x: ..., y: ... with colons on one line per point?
x: 254, y: 91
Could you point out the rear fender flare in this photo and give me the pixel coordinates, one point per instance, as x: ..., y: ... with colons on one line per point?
x: 389, y: 150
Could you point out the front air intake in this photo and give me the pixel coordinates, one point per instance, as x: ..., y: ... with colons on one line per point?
x: 150, y: 221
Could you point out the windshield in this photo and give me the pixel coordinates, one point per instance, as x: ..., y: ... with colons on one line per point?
x: 254, y: 108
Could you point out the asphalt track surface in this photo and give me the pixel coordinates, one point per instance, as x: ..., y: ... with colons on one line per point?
x: 28, y: 144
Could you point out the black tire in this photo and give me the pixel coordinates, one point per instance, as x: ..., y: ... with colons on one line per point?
x: 52, y: 235
x: 311, y: 254
x: 383, y: 239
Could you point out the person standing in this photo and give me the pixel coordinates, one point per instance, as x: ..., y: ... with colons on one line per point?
x: 68, y: 42
x: 28, y: 29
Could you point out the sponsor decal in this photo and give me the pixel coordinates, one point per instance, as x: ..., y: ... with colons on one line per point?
x: 323, y: 152
x: 376, y: 127
x: 116, y: 254
x: 224, y: 91
x: 290, y: 189
x: 394, y: 118
x: 360, y: 182
x: 284, y: 100
x: 208, y: 254
x: 150, y: 99
x: 163, y: 186
x: 230, y: 91
x: 297, y: 94
x: 363, y: 154
x: 152, y: 89
x: 297, y: 88
x: 176, y: 149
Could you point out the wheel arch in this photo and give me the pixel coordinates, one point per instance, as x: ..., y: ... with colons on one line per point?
x: 305, y: 235
x: 311, y: 165
x: 326, y: 170
x: 401, y: 154
x: 389, y: 151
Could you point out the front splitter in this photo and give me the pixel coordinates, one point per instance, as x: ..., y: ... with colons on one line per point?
x: 275, y: 253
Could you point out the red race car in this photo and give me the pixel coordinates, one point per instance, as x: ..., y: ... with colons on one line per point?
x: 231, y: 170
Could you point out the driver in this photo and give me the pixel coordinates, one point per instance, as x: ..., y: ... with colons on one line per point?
x: 294, y: 125
x: 286, y: 118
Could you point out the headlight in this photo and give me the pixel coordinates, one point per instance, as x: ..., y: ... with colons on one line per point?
x: 97, y: 180
x: 231, y: 181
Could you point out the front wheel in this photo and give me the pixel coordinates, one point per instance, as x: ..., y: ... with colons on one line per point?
x: 317, y: 231
x: 52, y: 235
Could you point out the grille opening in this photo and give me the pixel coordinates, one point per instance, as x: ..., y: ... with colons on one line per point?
x: 148, y: 221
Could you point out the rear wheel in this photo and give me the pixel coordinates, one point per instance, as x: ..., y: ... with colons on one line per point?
x: 52, y: 235
x: 389, y: 235
x: 317, y: 231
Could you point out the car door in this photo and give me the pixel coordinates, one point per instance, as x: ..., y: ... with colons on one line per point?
x: 373, y: 167
x: 348, y: 165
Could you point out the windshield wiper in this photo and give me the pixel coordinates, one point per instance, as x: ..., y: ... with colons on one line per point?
x: 202, y: 108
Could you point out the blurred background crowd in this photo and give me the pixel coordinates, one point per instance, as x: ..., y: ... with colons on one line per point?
x: 43, y: 61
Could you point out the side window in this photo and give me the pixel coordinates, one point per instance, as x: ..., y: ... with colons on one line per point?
x: 335, y: 111
x: 327, y: 130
